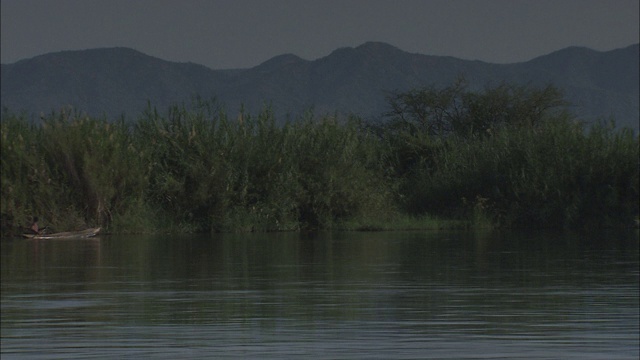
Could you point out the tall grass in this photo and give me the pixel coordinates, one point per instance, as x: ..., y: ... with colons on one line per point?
x: 556, y: 175
x: 71, y: 170
x: 212, y: 172
x: 195, y: 168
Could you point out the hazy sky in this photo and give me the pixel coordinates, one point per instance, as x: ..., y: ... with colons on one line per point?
x: 243, y: 33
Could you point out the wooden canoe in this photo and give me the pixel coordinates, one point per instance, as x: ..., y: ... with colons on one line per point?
x: 65, y: 235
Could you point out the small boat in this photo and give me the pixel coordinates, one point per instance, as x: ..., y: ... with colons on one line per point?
x: 82, y: 234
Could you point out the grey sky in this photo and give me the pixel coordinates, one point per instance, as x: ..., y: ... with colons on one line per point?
x: 243, y: 33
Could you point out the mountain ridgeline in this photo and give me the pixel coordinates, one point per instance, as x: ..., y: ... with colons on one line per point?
x: 113, y: 82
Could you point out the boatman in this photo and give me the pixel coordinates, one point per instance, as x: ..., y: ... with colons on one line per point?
x: 34, y: 226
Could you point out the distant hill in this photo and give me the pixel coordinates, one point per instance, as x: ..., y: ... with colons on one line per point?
x: 116, y: 81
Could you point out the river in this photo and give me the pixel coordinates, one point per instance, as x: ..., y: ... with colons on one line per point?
x: 346, y: 295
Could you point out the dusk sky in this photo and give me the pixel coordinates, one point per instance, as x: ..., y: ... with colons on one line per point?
x: 224, y: 34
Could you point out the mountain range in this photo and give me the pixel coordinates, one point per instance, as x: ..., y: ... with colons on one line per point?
x: 113, y: 82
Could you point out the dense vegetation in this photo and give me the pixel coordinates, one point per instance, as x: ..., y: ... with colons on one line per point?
x: 505, y: 156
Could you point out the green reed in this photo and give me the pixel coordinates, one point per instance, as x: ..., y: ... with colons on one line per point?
x: 245, y: 173
x: 196, y: 168
x: 556, y: 175
x: 70, y: 170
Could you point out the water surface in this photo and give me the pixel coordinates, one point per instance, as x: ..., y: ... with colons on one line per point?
x: 388, y: 295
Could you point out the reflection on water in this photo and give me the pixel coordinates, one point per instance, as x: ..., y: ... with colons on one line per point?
x: 346, y: 295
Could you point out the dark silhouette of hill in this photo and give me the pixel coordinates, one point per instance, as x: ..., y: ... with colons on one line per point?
x: 116, y: 81
x: 101, y: 81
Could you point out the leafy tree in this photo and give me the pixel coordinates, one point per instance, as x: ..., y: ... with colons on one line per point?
x: 506, y: 105
x: 457, y: 110
x: 427, y: 110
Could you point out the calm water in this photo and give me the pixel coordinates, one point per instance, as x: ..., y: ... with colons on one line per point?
x: 394, y: 295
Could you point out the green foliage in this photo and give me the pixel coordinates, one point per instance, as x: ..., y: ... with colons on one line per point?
x: 23, y: 172
x: 458, y: 110
x: 496, y: 158
x: 326, y: 186
x: 508, y: 155
x: 99, y: 164
x: 247, y: 174
x: 557, y: 175
x: 71, y: 170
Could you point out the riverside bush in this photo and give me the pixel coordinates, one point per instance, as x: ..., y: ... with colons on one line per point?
x: 210, y: 172
x: 195, y: 169
x: 557, y: 175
